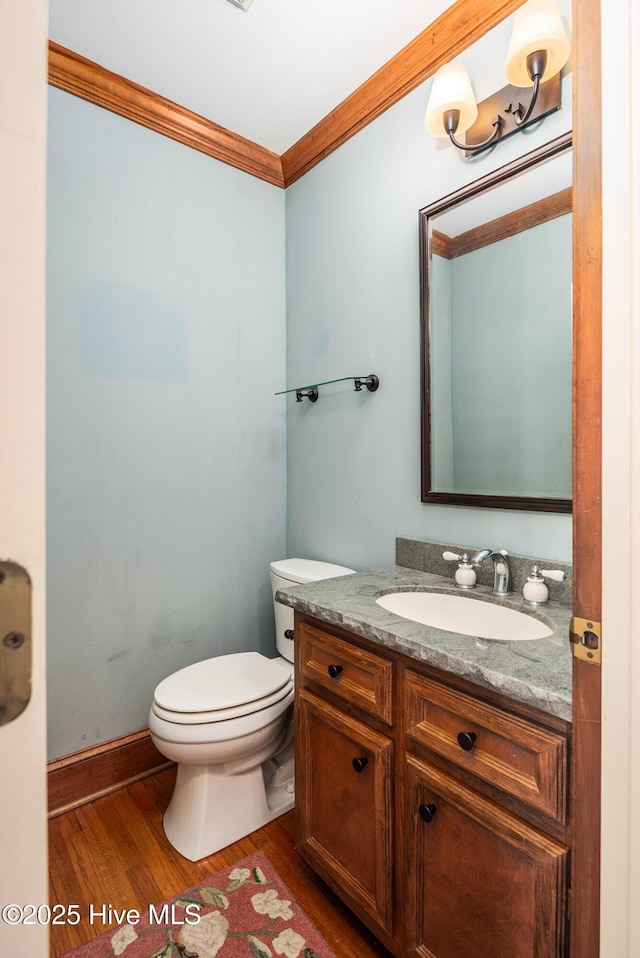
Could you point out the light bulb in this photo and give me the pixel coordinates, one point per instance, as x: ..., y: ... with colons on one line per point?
x: 537, y: 26
x: 451, y: 90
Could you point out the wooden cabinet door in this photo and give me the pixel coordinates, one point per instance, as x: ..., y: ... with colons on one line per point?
x: 481, y: 881
x: 344, y: 805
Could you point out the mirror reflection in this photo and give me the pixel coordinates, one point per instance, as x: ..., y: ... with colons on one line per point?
x: 496, y: 273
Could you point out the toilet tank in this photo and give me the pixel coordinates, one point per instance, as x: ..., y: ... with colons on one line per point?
x: 286, y: 572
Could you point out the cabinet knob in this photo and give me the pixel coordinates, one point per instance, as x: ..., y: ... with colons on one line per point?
x: 334, y: 671
x: 360, y: 764
x: 288, y: 634
x: 466, y: 740
x: 427, y: 812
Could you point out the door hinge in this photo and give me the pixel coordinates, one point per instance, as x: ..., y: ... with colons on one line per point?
x: 15, y: 641
x: 586, y: 639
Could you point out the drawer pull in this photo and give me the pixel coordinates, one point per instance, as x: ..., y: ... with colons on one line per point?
x: 334, y: 671
x: 360, y: 764
x: 427, y: 812
x: 466, y: 740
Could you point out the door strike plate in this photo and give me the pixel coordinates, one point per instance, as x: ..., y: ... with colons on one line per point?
x: 586, y: 639
x: 15, y: 641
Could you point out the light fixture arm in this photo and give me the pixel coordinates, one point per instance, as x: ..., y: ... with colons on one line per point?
x: 536, y: 65
x: 451, y: 118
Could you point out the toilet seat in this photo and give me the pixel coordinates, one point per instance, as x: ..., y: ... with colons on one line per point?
x: 222, y: 715
x: 222, y: 688
x: 204, y: 733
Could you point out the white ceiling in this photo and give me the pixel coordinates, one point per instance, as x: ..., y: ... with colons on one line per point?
x: 270, y: 73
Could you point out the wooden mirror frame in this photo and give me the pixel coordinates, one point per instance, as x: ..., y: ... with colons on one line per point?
x: 484, y: 500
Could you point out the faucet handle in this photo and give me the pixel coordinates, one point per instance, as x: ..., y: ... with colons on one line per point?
x: 556, y: 574
x: 535, y: 591
x: 465, y: 575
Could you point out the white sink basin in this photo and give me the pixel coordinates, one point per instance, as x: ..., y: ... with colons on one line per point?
x: 465, y: 615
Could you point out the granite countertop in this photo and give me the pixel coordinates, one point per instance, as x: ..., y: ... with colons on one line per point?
x: 536, y: 672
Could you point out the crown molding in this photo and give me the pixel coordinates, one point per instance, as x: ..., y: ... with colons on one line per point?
x: 534, y: 214
x: 457, y: 28
x: 83, y: 78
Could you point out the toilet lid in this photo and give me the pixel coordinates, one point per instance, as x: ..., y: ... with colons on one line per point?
x: 224, y: 715
x: 225, y: 682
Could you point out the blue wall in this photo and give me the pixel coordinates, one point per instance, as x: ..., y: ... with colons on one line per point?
x: 353, y: 460
x: 166, y: 446
x: 168, y: 465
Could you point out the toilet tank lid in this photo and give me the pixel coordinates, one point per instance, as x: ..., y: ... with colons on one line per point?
x: 307, y: 570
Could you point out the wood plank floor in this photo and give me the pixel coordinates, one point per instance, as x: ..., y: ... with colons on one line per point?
x: 113, y: 851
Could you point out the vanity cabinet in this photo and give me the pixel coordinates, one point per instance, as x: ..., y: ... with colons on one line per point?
x: 436, y: 809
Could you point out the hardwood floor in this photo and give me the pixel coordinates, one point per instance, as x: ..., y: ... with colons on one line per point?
x: 113, y: 851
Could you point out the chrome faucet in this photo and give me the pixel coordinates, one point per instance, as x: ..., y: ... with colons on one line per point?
x: 501, y: 570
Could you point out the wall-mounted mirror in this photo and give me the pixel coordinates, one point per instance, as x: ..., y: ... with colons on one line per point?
x: 496, y: 326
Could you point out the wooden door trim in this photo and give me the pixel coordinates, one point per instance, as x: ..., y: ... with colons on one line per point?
x: 587, y: 483
x: 74, y: 74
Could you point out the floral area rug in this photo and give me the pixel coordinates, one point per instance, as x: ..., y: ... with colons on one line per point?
x: 241, y: 912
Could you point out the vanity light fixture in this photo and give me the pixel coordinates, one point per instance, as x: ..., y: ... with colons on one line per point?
x: 538, y: 50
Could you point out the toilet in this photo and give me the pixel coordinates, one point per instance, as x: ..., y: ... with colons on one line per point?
x: 228, y: 723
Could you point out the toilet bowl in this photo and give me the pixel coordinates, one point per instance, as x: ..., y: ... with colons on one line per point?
x: 228, y: 723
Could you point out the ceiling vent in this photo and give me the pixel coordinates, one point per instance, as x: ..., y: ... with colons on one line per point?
x: 243, y: 4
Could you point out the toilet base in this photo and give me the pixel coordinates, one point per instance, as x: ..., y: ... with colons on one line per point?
x: 210, y: 808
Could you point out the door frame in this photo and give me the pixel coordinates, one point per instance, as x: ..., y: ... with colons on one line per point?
x: 587, y: 482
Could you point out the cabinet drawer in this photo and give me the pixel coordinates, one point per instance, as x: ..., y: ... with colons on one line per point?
x: 360, y: 678
x: 519, y: 758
